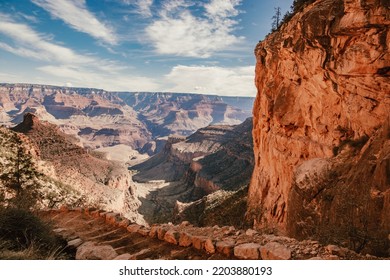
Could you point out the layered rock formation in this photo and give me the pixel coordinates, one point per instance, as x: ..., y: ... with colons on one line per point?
x: 323, y: 85
x: 103, y: 119
x: 183, y: 114
x: 98, y: 181
x: 218, y: 157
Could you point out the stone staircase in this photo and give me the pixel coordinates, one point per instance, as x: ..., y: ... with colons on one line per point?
x: 96, y: 234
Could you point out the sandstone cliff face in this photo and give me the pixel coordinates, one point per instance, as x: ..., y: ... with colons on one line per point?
x: 322, y: 79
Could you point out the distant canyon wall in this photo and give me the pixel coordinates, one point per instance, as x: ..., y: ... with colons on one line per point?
x: 100, y: 118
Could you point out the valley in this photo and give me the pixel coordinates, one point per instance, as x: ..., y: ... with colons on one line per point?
x: 302, y: 171
x: 90, y: 150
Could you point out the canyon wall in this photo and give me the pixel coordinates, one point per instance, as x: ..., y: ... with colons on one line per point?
x: 323, y: 93
x: 101, y: 119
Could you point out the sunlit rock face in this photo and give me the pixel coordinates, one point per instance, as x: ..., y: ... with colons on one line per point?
x: 323, y: 84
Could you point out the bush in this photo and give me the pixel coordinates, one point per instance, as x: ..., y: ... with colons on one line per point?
x: 21, y: 229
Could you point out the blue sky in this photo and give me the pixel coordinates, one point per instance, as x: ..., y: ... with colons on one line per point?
x: 135, y: 45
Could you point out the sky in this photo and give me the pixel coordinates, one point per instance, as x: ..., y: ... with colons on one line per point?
x: 201, y: 46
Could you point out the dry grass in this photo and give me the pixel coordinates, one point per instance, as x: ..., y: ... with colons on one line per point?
x: 33, y: 252
x: 23, y: 236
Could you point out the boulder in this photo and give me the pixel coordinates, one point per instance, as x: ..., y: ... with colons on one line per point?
x: 172, y: 236
x: 144, y: 231
x: 336, y: 250
x: 247, y: 251
x: 91, y: 251
x: 225, y: 247
x: 153, y: 231
x: 133, y: 228
x: 198, y: 242
x: 185, y: 239
x: 161, y: 231
x: 275, y: 251
x: 209, y: 246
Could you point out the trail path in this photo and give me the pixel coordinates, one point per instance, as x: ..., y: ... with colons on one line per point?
x: 80, y: 227
x: 96, y: 234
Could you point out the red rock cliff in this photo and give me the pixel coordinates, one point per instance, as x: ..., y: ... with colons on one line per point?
x: 322, y: 80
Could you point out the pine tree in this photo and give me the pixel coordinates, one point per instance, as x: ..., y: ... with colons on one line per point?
x: 276, y: 19
x: 18, y: 174
x: 300, y: 4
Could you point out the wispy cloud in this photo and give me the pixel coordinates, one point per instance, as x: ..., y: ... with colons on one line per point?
x: 79, y: 76
x: 29, y: 43
x: 77, y: 16
x: 179, y: 32
x: 66, y: 64
x: 235, y: 81
x: 143, y: 7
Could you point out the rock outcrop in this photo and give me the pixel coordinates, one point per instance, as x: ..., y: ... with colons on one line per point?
x: 323, y: 88
x: 100, y: 182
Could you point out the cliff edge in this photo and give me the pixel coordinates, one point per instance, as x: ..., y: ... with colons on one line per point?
x: 323, y: 98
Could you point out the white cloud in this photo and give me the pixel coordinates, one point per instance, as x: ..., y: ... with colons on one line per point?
x: 179, y: 32
x: 81, y: 77
x: 143, y: 7
x: 65, y: 65
x: 77, y: 16
x: 222, y: 8
x: 235, y: 81
x: 34, y: 45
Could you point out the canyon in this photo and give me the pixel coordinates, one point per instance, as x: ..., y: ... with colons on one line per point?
x: 102, y: 119
x: 217, y: 158
x: 304, y: 174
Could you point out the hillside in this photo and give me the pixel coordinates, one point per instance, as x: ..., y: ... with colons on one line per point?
x: 97, y: 181
x: 28, y: 182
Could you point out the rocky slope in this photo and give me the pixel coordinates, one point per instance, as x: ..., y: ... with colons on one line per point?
x: 101, y: 182
x: 25, y: 180
x: 218, y: 157
x: 100, y: 119
x: 323, y: 88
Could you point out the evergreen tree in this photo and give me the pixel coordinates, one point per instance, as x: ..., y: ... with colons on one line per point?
x: 18, y: 174
x: 300, y: 4
x: 276, y: 19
